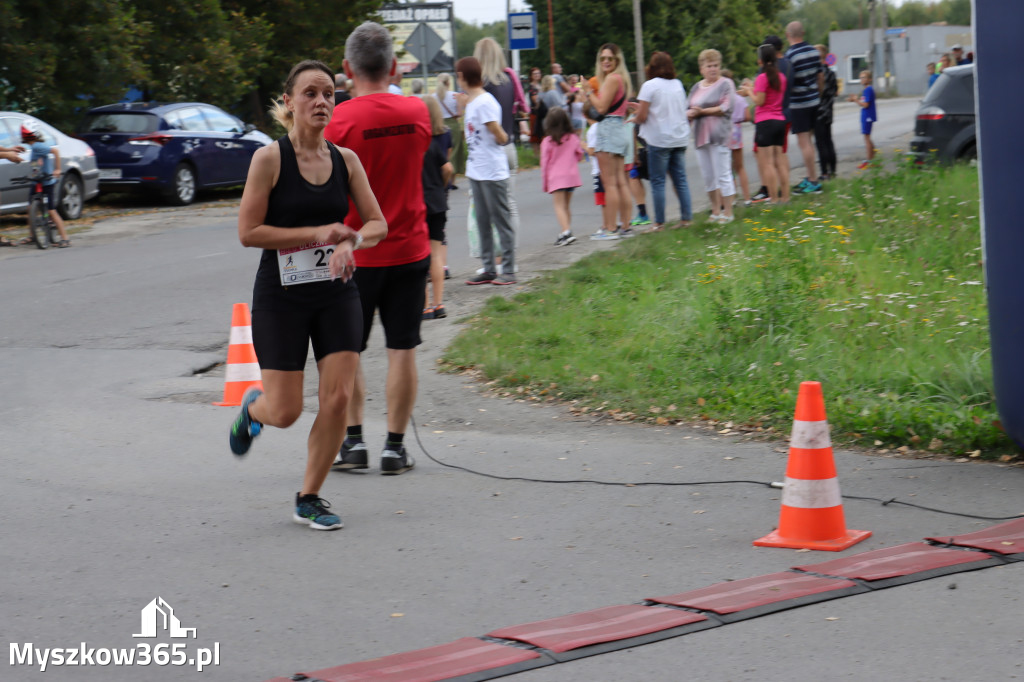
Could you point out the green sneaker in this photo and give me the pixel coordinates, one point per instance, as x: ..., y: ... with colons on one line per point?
x: 245, y: 428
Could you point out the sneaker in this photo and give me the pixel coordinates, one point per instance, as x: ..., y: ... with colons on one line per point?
x: 565, y: 239
x: 640, y: 220
x: 503, y: 280
x: 428, y: 313
x: 482, y: 278
x: 601, y: 235
x: 447, y: 275
x: 394, y: 462
x: 245, y: 427
x: 352, y: 455
x: 313, y: 511
x: 813, y: 188
x: 865, y: 165
x: 440, y: 312
x: 725, y: 219
x: 802, y: 187
x: 760, y: 197
x: 626, y: 233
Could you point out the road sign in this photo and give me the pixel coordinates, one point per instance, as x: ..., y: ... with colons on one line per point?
x: 402, y: 20
x: 830, y: 59
x: 522, y: 31
x: 423, y: 43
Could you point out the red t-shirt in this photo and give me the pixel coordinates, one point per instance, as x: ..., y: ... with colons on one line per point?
x: 390, y: 134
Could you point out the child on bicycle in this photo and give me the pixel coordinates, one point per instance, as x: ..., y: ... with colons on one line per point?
x: 48, y: 158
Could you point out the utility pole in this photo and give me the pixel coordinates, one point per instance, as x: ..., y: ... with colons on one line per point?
x: 551, y: 33
x: 638, y: 38
x: 871, y: 38
x: 886, y: 60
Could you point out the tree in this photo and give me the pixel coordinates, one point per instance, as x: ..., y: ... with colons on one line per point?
x: 59, y: 58
x: 200, y: 51
x: 680, y: 27
x: 467, y: 35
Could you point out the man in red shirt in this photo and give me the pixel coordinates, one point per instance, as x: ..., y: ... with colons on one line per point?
x: 390, y: 134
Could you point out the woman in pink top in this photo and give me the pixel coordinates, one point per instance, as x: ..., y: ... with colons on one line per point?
x: 560, y: 155
x: 769, y: 123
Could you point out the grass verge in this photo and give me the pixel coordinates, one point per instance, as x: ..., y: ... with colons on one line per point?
x: 873, y: 288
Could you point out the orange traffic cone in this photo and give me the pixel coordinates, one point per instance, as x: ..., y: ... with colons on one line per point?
x: 812, y: 507
x: 243, y: 369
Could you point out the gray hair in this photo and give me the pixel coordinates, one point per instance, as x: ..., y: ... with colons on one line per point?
x: 369, y: 51
x: 417, y: 86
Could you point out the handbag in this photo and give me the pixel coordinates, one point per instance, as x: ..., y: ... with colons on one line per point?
x: 592, y: 113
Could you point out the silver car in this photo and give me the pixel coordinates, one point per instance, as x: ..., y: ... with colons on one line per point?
x: 80, y: 177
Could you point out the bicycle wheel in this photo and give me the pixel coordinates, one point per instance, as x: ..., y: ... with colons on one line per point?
x: 38, y: 223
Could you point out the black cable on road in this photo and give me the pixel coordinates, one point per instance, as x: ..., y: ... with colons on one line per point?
x: 638, y: 484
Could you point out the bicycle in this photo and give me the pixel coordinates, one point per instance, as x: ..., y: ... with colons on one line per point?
x: 42, y: 228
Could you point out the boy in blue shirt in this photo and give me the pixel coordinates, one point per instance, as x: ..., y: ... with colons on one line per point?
x: 868, y: 114
x: 48, y: 158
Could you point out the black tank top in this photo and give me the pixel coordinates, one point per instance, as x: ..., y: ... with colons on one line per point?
x: 296, y: 202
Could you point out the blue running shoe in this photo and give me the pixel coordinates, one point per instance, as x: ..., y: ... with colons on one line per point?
x: 312, y: 510
x: 245, y: 427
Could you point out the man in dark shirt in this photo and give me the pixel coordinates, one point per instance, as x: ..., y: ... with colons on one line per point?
x: 808, y: 80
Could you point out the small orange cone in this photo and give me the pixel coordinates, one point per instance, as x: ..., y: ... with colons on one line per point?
x: 243, y: 370
x: 812, y: 506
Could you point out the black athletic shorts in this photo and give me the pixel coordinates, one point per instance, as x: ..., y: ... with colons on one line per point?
x: 435, y: 226
x: 398, y: 292
x: 770, y: 133
x: 803, y: 119
x: 281, y: 337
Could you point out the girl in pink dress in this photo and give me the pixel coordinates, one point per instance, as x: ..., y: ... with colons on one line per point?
x: 560, y: 155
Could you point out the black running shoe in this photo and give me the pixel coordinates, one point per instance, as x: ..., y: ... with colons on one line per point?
x: 351, y: 456
x: 760, y: 197
x: 245, y: 428
x: 394, y: 462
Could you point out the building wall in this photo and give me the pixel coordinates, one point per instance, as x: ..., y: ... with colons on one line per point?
x: 910, y: 49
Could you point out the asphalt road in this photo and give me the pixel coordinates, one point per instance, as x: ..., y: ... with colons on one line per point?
x: 119, y: 488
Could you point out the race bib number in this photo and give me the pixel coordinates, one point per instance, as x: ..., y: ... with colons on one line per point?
x: 303, y: 264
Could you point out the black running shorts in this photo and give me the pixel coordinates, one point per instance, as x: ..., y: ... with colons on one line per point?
x: 770, y: 133
x: 398, y: 292
x: 435, y: 226
x: 281, y: 337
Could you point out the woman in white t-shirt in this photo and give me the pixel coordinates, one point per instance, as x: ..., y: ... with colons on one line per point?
x: 661, y: 114
x: 488, y: 172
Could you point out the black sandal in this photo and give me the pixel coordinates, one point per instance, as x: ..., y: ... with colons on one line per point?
x: 63, y: 244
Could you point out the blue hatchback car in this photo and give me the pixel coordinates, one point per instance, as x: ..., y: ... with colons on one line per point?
x: 176, y: 149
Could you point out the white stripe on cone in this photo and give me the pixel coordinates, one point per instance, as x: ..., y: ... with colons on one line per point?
x: 810, y: 435
x: 240, y: 335
x: 803, y: 493
x: 242, y: 371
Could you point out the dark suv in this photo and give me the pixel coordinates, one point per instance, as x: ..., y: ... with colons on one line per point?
x: 174, y: 148
x: 945, y: 126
